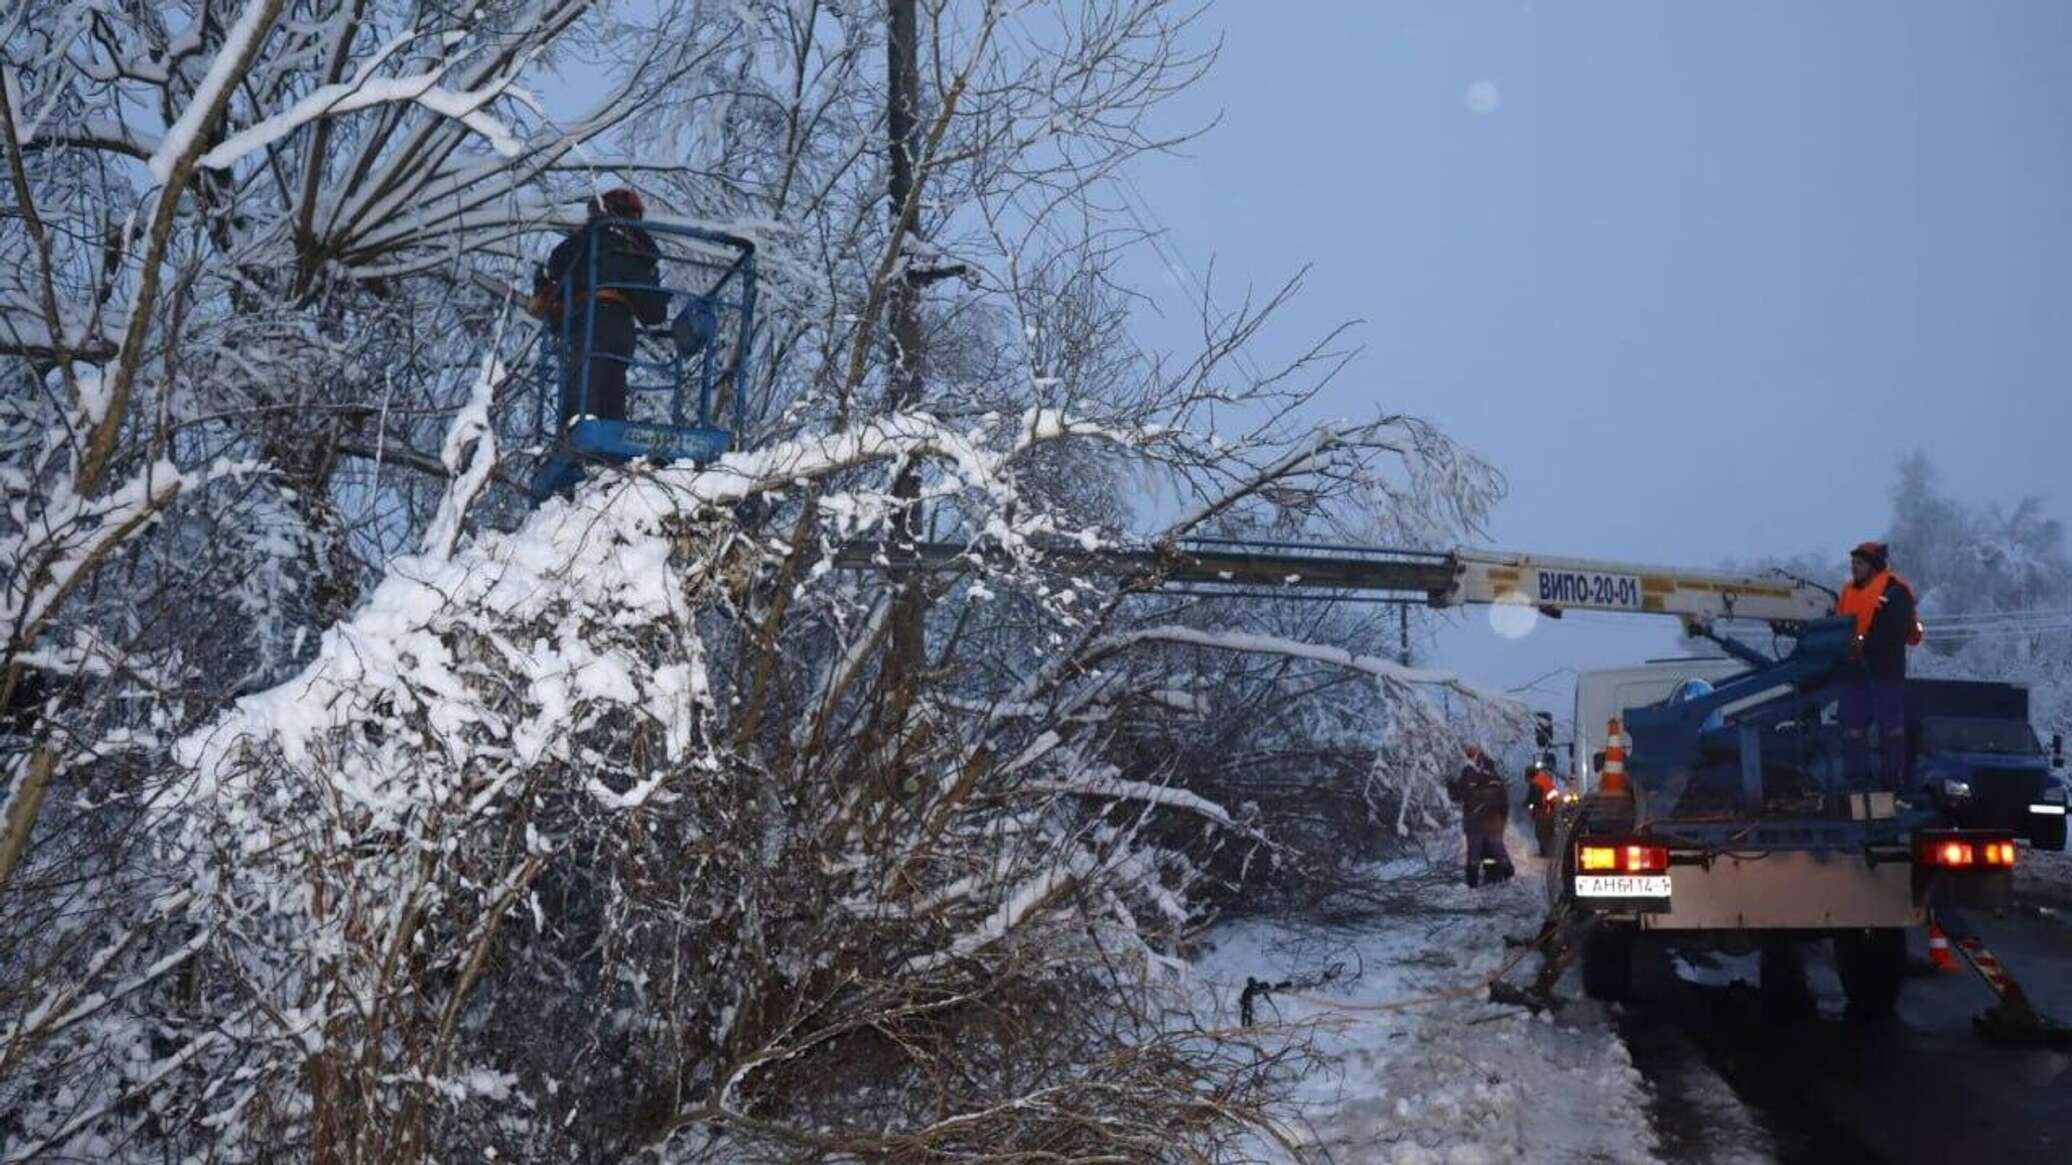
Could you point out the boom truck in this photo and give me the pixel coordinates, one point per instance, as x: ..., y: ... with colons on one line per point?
x: 1741, y: 826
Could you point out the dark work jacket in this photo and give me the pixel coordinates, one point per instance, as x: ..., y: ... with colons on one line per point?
x: 1484, y: 803
x: 626, y: 255
x: 1885, y: 644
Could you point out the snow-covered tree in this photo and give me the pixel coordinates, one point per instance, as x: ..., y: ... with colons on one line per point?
x: 364, y: 813
x: 1967, y: 559
x: 1996, y: 589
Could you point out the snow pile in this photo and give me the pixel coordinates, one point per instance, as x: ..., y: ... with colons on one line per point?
x: 1454, y: 1083
x: 2044, y: 879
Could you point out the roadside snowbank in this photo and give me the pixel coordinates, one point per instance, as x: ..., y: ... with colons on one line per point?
x: 2043, y: 878
x: 1457, y: 1083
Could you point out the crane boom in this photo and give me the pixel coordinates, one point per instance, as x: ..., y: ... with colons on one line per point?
x: 1698, y: 597
x: 1230, y: 567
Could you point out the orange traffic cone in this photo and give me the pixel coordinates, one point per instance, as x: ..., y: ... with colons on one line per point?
x: 1939, y: 947
x: 1613, y: 779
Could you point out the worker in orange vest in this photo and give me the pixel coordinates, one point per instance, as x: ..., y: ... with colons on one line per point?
x: 1873, y: 680
x: 1543, y: 801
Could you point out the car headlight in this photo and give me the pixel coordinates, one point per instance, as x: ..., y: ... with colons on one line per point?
x: 1956, y: 789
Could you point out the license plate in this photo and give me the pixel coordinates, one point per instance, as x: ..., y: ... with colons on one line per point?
x: 1588, y: 588
x: 1622, y: 886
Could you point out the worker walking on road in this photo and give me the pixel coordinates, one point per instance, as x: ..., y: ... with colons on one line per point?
x: 1543, y: 802
x: 1484, y: 812
x: 1873, y: 681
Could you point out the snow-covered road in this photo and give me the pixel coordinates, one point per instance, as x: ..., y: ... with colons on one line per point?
x: 1692, y: 1074
x: 1921, y: 1088
x: 1455, y: 1083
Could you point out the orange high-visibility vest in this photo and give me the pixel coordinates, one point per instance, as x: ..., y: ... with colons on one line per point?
x: 1861, y: 603
x: 1542, y: 784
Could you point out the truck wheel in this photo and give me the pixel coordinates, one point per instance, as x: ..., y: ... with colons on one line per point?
x: 2050, y: 837
x: 1608, y: 963
x: 1872, y: 964
x: 1783, y: 991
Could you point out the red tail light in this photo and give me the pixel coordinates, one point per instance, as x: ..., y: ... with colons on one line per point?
x: 1952, y: 855
x: 1946, y: 851
x: 1623, y: 857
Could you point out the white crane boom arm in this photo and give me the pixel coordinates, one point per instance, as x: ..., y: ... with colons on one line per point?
x: 1698, y: 597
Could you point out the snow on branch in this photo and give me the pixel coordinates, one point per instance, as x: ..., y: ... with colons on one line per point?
x: 1111, y: 787
x: 469, y: 457
x: 240, y: 44
x: 1027, y: 898
x: 72, y: 534
x: 1379, y: 668
x: 975, y: 459
x: 364, y: 91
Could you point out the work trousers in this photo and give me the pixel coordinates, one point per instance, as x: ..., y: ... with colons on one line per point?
x: 1486, y: 843
x: 1881, y: 702
x: 611, y: 347
x: 1544, y: 826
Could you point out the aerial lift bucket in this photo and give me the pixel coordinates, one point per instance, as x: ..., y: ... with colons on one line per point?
x: 673, y: 373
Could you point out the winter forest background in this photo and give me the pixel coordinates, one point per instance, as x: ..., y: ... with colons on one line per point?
x: 358, y: 811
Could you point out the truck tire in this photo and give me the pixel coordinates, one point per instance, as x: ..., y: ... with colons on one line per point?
x: 1608, y: 963
x: 1782, y: 990
x: 1872, y: 965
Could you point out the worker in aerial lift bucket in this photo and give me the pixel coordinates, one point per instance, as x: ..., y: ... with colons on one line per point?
x: 626, y: 260
x: 1873, y: 680
x: 1484, y: 812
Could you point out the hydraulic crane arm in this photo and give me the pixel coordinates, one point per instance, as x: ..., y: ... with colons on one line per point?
x: 1245, y: 568
x: 1698, y: 597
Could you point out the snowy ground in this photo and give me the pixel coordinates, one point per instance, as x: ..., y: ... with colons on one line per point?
x: 2044, y: 879
x: 1455, y: 1083
x: 1467, y: 1082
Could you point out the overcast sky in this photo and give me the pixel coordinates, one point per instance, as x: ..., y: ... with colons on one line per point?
x: 1695, y: 275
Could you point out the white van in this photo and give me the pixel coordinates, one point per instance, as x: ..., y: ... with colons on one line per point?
x: 1607, y: 692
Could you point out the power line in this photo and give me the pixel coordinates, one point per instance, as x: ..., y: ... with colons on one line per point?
x: 2052, y: 614
x: 1132, y: 198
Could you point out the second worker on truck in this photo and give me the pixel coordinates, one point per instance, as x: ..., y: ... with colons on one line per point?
x: 1873, y: 681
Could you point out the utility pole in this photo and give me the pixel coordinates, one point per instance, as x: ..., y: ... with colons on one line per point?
x: 903, y: 137
x: 903, y: 133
